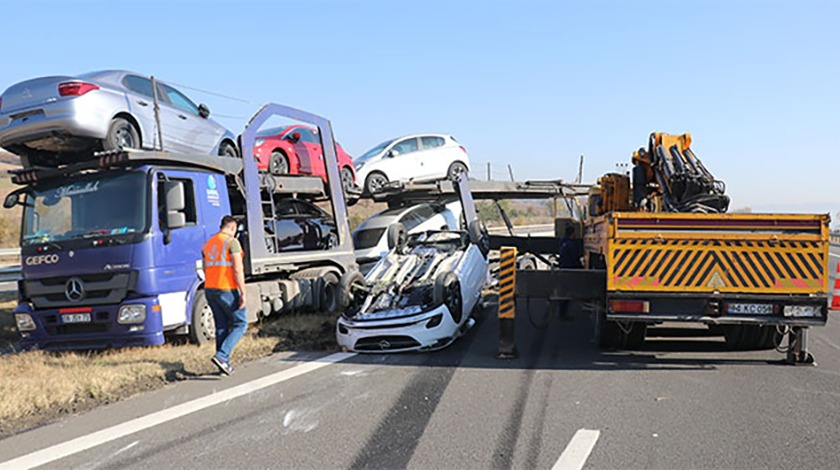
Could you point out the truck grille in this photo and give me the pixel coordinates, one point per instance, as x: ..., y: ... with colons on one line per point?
x: 99, y: 289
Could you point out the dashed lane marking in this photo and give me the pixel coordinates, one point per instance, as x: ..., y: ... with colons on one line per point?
x: 578, y: 450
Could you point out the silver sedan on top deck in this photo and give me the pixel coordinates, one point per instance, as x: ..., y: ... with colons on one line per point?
x: 61, y: 119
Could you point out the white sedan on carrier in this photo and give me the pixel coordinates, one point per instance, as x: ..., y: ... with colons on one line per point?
x: 422, y: 294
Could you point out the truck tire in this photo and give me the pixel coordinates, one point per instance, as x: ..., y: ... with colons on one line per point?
x: 202, y: 326
x: 447, y: 291
x: 121, y: 134
x: 328, y: 287
x: 346, y: 287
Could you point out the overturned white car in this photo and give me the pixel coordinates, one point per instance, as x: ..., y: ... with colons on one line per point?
x: 421, y: 295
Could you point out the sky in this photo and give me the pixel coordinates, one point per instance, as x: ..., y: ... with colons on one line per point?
x: 529, y: 84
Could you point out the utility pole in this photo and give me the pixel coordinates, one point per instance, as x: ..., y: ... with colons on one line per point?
x: 579, y: 178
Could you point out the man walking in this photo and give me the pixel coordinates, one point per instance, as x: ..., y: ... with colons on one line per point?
x: 224, y: 287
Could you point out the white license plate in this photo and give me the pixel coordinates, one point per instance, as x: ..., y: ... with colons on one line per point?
x: 75, y: 318
x: 751, y: 309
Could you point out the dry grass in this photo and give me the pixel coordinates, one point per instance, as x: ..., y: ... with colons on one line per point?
x: 38, y: 386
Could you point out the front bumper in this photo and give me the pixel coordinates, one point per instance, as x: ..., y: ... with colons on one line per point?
x: 103, y: 331
x: 397, y: 334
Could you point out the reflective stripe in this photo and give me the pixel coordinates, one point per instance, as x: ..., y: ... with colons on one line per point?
x: 218, y: 263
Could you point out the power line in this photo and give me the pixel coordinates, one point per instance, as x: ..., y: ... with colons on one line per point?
x: 220, y: 95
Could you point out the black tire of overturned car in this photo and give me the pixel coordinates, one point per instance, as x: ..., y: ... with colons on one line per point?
x: 448, y: 292
x: 347, y: 284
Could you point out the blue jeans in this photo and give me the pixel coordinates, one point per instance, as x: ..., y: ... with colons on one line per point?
x: 231, y: 321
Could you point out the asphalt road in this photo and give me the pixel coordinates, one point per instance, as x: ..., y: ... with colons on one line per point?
x: 678, y: 403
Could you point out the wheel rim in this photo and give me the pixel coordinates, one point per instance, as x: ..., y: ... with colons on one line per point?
x: 456, y: 169
x: 208, y: 325
x: 346, y: 179
x: 453, y: 301
x: 376, y: 183
x: 278, y: 164
x: 124, y: 137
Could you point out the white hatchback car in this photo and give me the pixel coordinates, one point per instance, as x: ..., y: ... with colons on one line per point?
x: 425, y: 157
x: 378, y: 234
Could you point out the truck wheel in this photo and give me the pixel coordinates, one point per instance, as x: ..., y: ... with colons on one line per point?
x: 447, y: 291
x: 278, y: 164
x: 121, y: 135
x: 347, y: 287
x: 226, y: 149
x: 202, y: 325
x: 328, y: 284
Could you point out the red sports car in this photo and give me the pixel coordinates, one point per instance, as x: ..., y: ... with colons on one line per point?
x: 296, y: 150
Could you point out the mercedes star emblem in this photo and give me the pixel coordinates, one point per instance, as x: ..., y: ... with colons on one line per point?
x: 74, y: 289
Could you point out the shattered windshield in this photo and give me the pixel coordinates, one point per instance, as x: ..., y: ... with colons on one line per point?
x: 91, y: 208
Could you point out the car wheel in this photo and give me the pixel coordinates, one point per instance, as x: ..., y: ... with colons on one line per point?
x: 347, y: 180
x: 331, y: 241
x: 278, y: 164
x: 375, y: 182
x: 121, y: 135
x: 448, y: 292
x: 348, y: 286
x: 396, y: 235
x: 202, y: 325
x: 455, y: 169
x: 226, y: 149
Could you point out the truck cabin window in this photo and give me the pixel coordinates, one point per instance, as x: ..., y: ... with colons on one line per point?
x: 86, y: 209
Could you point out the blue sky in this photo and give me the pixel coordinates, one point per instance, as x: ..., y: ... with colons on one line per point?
x: 531, y: 84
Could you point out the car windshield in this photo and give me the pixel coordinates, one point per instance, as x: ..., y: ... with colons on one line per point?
x: 364, y: 239
x: 111, y: 205
x: 272, y: 131
x: 374, y: 151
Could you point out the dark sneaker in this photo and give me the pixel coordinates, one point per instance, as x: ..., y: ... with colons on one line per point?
x: 224, y: 367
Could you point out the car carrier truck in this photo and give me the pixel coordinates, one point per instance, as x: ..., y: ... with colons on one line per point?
x: 111, y: 246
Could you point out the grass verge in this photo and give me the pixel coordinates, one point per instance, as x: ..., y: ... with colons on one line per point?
x: 38, y: 387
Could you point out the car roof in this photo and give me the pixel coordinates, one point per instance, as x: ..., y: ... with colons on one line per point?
x: 387, y: 217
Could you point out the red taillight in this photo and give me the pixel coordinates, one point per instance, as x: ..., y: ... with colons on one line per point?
x: 630, y: 306
x: 75, y: 88
x: 462, y: 148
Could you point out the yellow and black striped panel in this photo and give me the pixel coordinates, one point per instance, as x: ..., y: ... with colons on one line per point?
x: 507, y: 282
x: 742, y: 266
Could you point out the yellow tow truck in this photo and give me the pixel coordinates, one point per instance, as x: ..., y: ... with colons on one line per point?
x: 671, y: 254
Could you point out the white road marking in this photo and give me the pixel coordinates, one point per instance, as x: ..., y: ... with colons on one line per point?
x: 59, y: 451
x: 578, y: 450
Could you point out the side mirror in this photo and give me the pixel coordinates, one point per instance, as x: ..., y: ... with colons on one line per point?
x: 11, y: 200
x: 173, y: 194
x: 295, y: 137
x: 393, y: 153
x: 203, y: 111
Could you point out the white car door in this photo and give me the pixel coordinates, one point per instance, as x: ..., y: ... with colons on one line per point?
x: 402, y: 161
x: 436, y: 157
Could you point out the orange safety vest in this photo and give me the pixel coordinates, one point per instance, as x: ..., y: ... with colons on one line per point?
x: 218, y: 263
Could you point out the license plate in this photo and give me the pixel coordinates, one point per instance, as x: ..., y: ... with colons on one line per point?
x: 75, y: 318
x: 751, y: 309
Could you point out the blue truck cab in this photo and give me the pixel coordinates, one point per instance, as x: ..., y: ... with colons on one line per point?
x: 111, y: 247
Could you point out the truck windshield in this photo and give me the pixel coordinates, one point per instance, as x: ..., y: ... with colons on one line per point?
x: 90, y: 208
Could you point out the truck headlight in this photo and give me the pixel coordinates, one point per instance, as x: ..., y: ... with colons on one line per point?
x: 132, y: 314
x: 801, y: 311
x: 24, y: 322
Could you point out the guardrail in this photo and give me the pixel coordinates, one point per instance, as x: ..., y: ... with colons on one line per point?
x: 9, y: 251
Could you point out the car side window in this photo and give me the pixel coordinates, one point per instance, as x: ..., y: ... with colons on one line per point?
x: 179, y: 100
x: 285, y: 208
x: 424, y: 212
x: 431, y: 142
x: 406, y: 146
x: 139, y: 85
x: 410, y: 220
